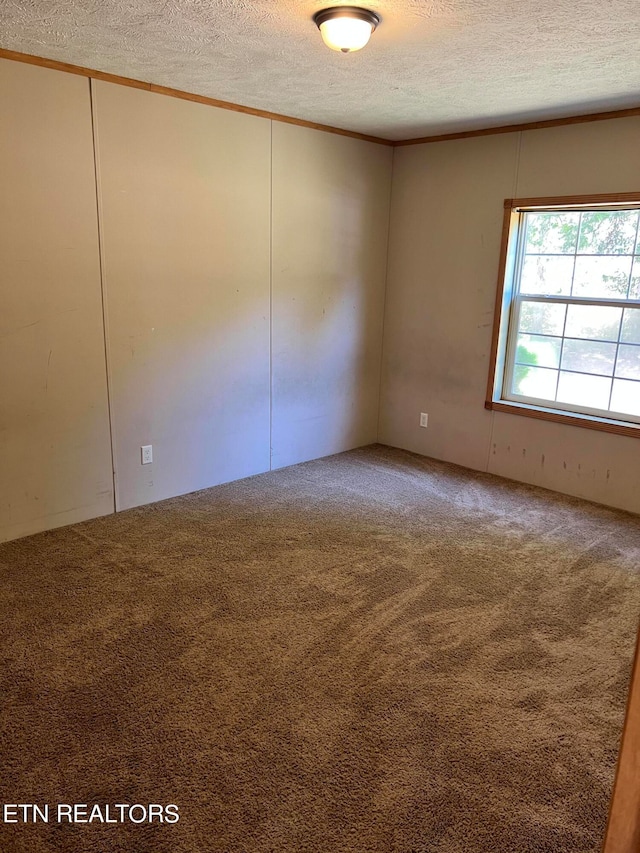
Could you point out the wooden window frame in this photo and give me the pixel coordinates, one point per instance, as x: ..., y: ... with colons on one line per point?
x: 510, y: 225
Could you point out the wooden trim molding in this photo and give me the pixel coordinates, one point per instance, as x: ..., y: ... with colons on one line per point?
x: 612, y: 427
x: 185, y: 96
x: 568, y: 200
x: 623, y: 827
x: 507, y: 225
x: 528, y: 125
x: 239, y: 108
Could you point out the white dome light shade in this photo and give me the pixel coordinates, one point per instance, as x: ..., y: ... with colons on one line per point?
x: 346, y: 28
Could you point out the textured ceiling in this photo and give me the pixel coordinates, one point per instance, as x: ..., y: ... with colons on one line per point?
x: 433, y: 66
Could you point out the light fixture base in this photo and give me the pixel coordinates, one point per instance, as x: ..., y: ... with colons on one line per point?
x: 347, y: 12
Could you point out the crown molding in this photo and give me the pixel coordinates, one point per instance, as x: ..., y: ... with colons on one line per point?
x: 239, y: 108
x: 177, y: 93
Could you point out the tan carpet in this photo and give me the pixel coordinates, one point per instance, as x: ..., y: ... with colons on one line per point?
x: 369, y: 652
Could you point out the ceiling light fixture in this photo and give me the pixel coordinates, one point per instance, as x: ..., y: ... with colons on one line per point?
x: 346, y: 28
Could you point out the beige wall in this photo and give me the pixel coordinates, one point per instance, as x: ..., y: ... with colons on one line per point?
x: 185, y: 197
x: 55, y: 459
x: 244, y: 284
x: 330, y: 230
x: 243, y: 280
x: 446, y: 220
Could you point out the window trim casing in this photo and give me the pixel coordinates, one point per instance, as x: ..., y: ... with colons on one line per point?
x: 501, y: 321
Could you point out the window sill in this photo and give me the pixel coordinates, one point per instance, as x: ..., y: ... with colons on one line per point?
x: 585, y: 421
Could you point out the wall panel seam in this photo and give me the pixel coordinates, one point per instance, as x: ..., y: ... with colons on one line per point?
x: 384, y: 299
x: 105, y: 314
x: 271, y: 297
x: 516, y: 177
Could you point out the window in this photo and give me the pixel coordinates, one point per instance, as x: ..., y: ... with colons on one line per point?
x: 566, y: 343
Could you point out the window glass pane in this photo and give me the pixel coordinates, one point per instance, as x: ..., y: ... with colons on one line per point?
x: 604, y: 278
x: 538, y: 349
x: 631, y: 326
x: 626, y: 397
x: 634, y: 290
x: 607, y: 232
x: 534, y: 382
x: 552, y: 233
x: 593, y: 321
x: 628, y: 364
x: 547, y: 275
x: 541, y: 318
x: 580, y: 389
x: 589, y: 357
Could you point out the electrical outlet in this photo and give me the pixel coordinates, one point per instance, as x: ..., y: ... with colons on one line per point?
x: 147, y: 454
x: 424, y: 419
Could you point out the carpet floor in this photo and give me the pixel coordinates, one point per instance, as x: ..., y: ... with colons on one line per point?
x: 368, y: 652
